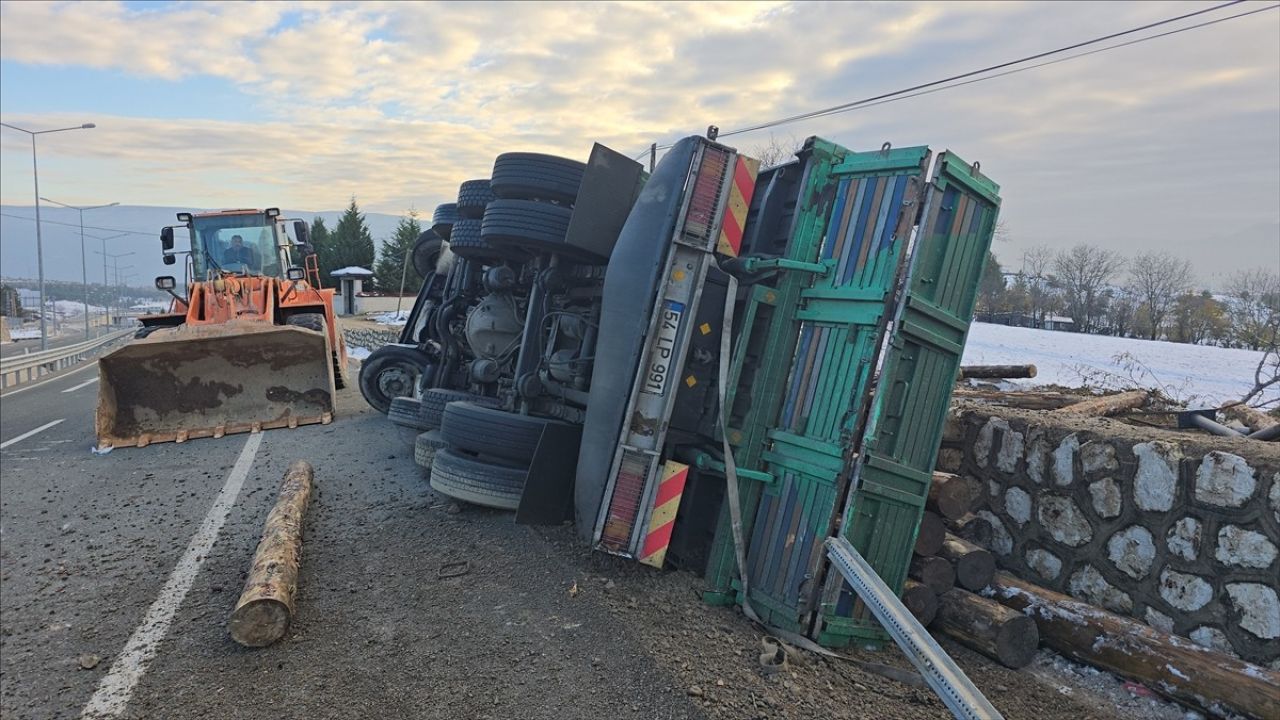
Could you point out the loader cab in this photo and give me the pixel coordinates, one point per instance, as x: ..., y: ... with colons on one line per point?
x: 243, y: 242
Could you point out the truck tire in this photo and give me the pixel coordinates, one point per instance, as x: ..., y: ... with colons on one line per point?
x: 467, y: 243
x: 493, y: 432
x: 426, y: 253
x: 534, y: 176
x: 425, y: 447
x: 406, y: 412
x: 475, y: 481
x: 535, y: 227
x: 435, y: 400
x: 473, y: 196
x: 390, y: 371
x: 310, y: 321
x: 443, y: 219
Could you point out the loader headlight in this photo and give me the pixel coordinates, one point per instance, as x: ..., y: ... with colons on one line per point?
x: 273, y: 213
x: 184, y: 218
x: 295, y: 273
x: 166, y: 282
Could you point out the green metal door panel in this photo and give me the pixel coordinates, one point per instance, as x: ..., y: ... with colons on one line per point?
x: 893, y: 471
x: 840, y: 318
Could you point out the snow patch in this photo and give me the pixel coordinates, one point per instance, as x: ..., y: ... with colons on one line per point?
x: 358, y: 353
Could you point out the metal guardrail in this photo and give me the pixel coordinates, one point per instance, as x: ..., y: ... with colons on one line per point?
x: 25, y: 368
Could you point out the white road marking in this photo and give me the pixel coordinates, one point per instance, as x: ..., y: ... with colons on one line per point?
x: 86, y: 383
x: 29, y: 433
x: 113, y: 692
x: 61, y: 376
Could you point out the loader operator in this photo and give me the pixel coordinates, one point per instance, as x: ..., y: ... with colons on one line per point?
x: 239, y: 254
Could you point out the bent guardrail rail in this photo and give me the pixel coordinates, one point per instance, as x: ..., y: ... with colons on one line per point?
x: 21, y: 369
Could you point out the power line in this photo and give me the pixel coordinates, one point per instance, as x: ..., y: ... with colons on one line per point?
x: 910, y: 91
x: 75, y: 225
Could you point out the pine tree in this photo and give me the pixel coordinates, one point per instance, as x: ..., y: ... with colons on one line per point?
x: 350, y: 243
x: 391, y: 261
x: 322, y: 242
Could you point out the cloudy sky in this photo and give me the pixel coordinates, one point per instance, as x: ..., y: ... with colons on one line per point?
x: 1170, y: 144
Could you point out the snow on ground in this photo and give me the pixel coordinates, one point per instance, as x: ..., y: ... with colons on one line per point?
x: 71, y: 308
x: 1196, y: 374
x: 392, y: 318
x: 24, y: 334
x: 358, y: 353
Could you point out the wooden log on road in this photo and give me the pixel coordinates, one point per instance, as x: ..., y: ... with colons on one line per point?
x: 1107, y: 404
x: 997, y: 372
x: 1172, y: 666
x: 935, y: 572
x: 987, y: 626
x: 953, y: 496
x: 921, y: 600
x: 930, y: 535
x: 974, y: 565
x: 266, y: 606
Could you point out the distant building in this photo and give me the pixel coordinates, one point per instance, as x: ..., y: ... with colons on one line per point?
x: 1027, y: 320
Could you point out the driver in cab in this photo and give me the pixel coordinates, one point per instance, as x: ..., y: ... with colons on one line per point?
x: 238, y: 254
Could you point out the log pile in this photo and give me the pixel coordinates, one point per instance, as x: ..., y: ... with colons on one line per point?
x: 954, y: 590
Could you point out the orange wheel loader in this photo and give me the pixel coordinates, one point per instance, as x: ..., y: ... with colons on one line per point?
x: 250, y: 343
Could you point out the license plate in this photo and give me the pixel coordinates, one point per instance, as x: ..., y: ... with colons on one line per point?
x: 658, y: 371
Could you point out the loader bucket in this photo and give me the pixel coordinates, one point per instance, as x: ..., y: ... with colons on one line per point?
x: 197, y: 381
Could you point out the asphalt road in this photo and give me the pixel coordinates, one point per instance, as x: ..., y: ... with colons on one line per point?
x: 92, y: 555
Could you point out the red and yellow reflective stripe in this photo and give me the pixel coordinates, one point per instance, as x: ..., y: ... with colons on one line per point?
x: 663, y: 519
x: 735, y: 214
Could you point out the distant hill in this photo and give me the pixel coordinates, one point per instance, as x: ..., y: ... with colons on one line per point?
x: 60, y: 228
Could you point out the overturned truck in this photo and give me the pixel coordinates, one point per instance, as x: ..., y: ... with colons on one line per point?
x: 632, y: 351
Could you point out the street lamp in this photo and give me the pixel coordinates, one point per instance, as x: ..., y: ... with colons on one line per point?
x: 35, y: 173
x: 84, y: 266
x: 106, y: 282
x: 114, y: 261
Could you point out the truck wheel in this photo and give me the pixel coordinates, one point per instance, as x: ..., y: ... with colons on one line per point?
x: 310, y: 321
x: 390, y: 371
x: 426, y: 253
x: 435, y: 400
x: 533, y: 176
x: 443, y: 219
x: 475, y: 481
x: 425, y: 447
x: 405, y: 412
x: 526, y: 225
x: 465, y: 242
x: 493, y: 432
x: 473, y: 196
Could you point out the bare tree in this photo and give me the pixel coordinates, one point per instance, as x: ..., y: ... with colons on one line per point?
x: 1035, y: 266
x: 1156, y: 281
x: 1083, y: 272
x: 775, y: 151
x: 1253, y: 304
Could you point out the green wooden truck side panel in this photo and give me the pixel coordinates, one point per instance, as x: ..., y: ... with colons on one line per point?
x: 895, y: 463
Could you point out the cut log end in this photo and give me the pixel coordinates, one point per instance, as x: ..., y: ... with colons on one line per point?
x: 974, y: 566
x: 921, y: 600
x: 930, y: 535
x: 1017, y: 642
x: 935, y: 572
x: 259, y: 623
x: 1000, y: 633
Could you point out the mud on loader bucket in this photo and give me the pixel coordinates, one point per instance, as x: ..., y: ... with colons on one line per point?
x: 196, y: 381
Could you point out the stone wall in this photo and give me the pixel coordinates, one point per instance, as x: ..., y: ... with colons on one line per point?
x: 1179, y: 530
x: 369, y: 337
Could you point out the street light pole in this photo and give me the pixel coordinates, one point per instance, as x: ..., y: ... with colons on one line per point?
x: 115, y: 260
x: 84, y: 266
x: 35, y: 173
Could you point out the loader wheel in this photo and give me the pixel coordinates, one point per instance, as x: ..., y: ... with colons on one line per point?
x: 493, y: 432
x: 535, y: 227
x: 435, y: 400
x: 426, y: 253
x: 390, y: 371
x: 467, y: 243
x: 310, y: 321
x: 425, y: 447
x: 473, y: 196
x: 533, y: 176
x: 443, y: 219
x: 475, y: 481
x: 405, y: 412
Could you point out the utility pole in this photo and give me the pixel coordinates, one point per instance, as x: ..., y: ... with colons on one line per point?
x: 84, y: 267
x: 105, y: 282
x: 35, y: 174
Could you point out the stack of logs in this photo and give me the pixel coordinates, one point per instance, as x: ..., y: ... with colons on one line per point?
x: 948, y: 570
x: 1010, y: 617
